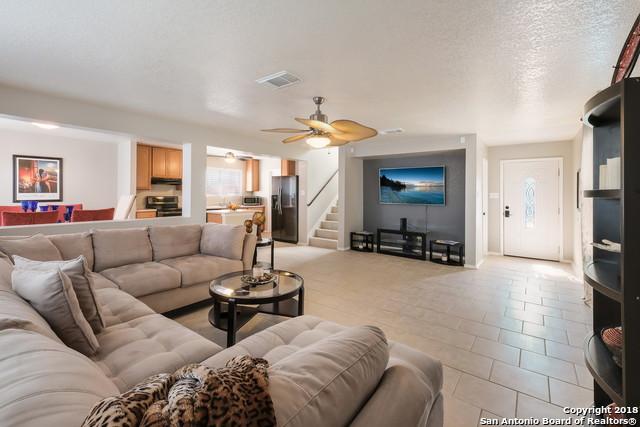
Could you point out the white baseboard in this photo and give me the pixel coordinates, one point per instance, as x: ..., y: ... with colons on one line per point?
x: 494, y: 253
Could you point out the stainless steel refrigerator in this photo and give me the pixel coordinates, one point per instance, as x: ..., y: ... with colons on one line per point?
x: 284, y: 208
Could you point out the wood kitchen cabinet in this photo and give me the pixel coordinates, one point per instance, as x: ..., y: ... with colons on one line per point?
x: 252, y: 175
x: 143, y: 167
x: 287, y: 167
x: 166, y: 163
x: 214, y: 217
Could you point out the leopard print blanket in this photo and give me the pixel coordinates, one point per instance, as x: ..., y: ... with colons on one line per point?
x: 194, y: 396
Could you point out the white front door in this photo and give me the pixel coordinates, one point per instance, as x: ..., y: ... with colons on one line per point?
x: 531, y: 211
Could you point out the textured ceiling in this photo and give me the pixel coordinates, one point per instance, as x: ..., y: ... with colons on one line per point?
x: 510, y: 70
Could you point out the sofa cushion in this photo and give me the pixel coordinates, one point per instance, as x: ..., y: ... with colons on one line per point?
x: 315, y: 366
x: 289, y: 335
x: 36, y: 247
x: 16, y: 313
x: 119, y: 307
x: 45, y: 383
x: 136, y: 349
x: 100, y: 282
x: 338, y: 372
x: 173, y: 241
x: 78, y: 272
x: 143, y: 279
x: 200, y: 268
x: 51, y: 294
x: 404, y: 412
x: 73, y: 245
x: 115, y: 248
x: 223, y: 240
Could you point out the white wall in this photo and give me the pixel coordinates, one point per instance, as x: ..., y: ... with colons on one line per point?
x: 90, y: 168
x: 352, y: 203
x: 563, y: 149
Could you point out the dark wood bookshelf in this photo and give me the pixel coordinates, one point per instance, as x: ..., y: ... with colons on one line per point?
x: 605, y: 278
x: 615, y: 277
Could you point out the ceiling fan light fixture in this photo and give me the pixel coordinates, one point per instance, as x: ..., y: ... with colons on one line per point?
x: 229, y: 157
x: 318, y: 141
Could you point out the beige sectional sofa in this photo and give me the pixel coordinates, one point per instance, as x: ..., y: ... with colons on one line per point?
x: 162, y: 266
x: 321, y: 373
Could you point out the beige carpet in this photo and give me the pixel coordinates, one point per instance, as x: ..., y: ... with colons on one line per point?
x: 509, y: 334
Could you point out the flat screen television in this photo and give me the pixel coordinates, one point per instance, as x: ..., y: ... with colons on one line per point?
x: 414, y: 186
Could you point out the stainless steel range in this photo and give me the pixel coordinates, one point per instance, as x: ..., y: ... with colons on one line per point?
x: 165, y: 205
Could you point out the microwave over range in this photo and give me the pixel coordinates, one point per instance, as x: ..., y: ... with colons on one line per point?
x: 252, y: 201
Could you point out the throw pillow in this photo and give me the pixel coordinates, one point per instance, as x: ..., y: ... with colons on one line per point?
x: 51, y: 294
x: 195, y: 395
x: 223, y: 240
x: 36, y: 247
x: 78, y: 271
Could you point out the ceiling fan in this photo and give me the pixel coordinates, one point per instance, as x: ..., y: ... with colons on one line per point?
x: 321, y: 133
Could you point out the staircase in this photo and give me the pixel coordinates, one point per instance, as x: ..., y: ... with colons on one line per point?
x: 326, y: 236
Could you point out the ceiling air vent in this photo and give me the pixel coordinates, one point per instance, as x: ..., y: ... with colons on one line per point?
x: 391, y: 131
x: 279, y: 80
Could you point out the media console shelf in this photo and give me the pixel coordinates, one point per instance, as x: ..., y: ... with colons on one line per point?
x: 404, y: 243
x: 615, y: 277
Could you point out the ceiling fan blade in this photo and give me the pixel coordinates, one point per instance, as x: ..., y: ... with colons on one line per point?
x: 296, y: 138
x: 316, y: 124
x: 352, y: 131
x: 285, y: 130
x: 336, y: 142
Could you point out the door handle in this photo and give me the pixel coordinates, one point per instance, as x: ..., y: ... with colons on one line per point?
x: 507, y: 213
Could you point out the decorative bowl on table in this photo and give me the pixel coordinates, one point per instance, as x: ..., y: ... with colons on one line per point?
x: 260, y: 280
x: 612, y: 338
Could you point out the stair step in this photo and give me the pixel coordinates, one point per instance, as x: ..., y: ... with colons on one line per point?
x: 334, y: 209
x: 327, y: 234
x: 332, y: 217
x: 329, y: 225
x: 320, y: 242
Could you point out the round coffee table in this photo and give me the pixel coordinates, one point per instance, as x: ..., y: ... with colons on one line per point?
x: 235, y: 303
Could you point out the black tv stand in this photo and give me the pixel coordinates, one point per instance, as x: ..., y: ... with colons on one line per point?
x: 404, y: 243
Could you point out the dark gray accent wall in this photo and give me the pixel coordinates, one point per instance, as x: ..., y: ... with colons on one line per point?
x: 444, y: 222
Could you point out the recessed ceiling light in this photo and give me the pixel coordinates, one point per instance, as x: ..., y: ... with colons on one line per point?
x: 48, y: 126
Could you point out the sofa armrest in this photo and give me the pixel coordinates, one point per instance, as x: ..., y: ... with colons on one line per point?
x: 414, y: 410
x: 248, y: 250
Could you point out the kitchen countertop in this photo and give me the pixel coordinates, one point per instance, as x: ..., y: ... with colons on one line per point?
x: 224, y: 207
x: 229, y: 211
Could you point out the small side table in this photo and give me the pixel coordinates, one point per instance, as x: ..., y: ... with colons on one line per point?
x: 448, y: 245
x: 361, y: 241
x: 264, y: 242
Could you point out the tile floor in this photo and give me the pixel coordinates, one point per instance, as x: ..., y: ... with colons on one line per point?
x: 509, y: 334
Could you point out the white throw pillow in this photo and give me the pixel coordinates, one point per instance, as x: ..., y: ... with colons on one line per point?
x: 51, y: 294
x: 80, y: 274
